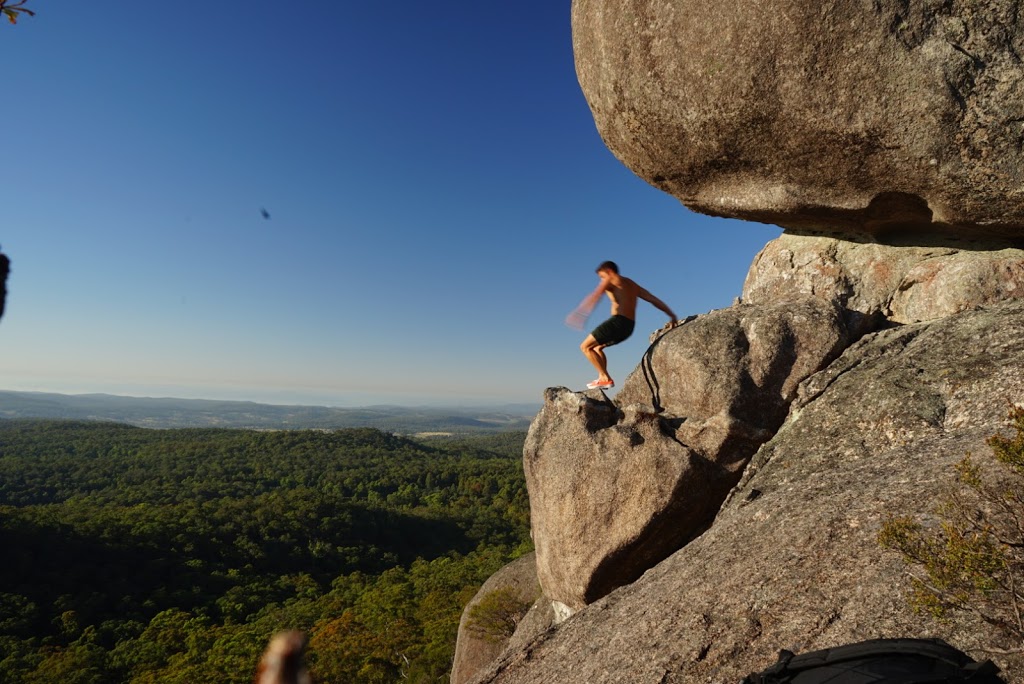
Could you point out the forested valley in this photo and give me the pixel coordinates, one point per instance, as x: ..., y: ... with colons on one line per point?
x: 167, y: 556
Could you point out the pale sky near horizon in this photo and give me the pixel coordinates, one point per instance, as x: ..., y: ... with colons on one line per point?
x: 438, y: 199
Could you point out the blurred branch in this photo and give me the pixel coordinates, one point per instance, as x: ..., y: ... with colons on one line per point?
x: 11, y: 9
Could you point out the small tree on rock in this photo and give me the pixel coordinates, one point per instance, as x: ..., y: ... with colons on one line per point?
x: 974, y: 560
x: 495, y: 616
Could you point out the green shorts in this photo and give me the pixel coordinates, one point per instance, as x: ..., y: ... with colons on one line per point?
x: 616, y: 329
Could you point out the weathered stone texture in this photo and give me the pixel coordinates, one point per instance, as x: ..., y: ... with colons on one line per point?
x: 617, y: 487
x: 733, y: 372
x: 844, y: 116
x: 874, y: 282
x: 792, y: 559
x: 605, y: 494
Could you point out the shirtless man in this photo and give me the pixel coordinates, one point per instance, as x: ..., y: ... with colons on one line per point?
x: 623, y: 294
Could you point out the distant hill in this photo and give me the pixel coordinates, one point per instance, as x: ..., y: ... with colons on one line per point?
x: 171, y: 413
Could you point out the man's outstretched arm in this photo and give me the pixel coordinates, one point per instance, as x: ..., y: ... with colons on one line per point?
x: 578, y: 318
x: 648, y: 297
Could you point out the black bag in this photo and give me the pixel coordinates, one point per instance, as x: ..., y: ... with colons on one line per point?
x: 896, y: 661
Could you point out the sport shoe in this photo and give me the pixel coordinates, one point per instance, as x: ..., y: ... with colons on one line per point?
x: 601, y: 384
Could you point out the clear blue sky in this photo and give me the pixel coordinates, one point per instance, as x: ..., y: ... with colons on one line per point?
x: 438, y: 198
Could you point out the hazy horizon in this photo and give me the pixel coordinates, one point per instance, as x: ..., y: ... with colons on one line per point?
x: 273, y: 397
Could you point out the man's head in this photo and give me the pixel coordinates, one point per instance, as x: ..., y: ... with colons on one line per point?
x: 608, y: 266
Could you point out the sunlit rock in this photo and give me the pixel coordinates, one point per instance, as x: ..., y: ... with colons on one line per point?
x: 848, y: 117
x: 874, y: 282
x: 617, y: 487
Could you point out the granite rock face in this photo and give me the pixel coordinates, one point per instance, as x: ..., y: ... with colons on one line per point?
x: 874, y: 283
x: 728, y: 376
x: 606, y: 495
x: 792, y: 559
x: 847, y: 117
x: 727, y: 504
x: 617, y: 487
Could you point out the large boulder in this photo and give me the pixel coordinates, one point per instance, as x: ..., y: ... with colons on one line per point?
x: 846, y: 116
x: 727, y: 378
x: 874, y: 282
x: 792, y: 560
x: 617, y: 487
x: 608, y: 495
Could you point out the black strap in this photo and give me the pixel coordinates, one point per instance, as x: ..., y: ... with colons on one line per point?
x: 954, y: 665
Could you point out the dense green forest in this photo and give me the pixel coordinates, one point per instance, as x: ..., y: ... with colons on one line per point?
x: 139, y: 555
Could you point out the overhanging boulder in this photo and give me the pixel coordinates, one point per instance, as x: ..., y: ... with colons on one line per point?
x: 842, y: 116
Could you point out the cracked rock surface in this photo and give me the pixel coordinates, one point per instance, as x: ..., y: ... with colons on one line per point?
x: 791, y: 561
x: 875, y: 282
x: 617, y: 487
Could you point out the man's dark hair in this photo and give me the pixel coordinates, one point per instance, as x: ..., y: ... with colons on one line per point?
x: 609, y: 266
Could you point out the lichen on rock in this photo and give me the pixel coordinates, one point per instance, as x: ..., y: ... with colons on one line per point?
x: 877, y: 284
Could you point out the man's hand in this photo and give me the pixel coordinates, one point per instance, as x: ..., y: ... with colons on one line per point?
x: 672, y: 323
x: 577, y: 319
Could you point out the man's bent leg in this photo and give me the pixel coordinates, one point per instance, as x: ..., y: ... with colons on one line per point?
x: 594, y: 351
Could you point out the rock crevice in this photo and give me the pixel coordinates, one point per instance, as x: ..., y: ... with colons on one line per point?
x: 615, y: 487
x: 878, y: 284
